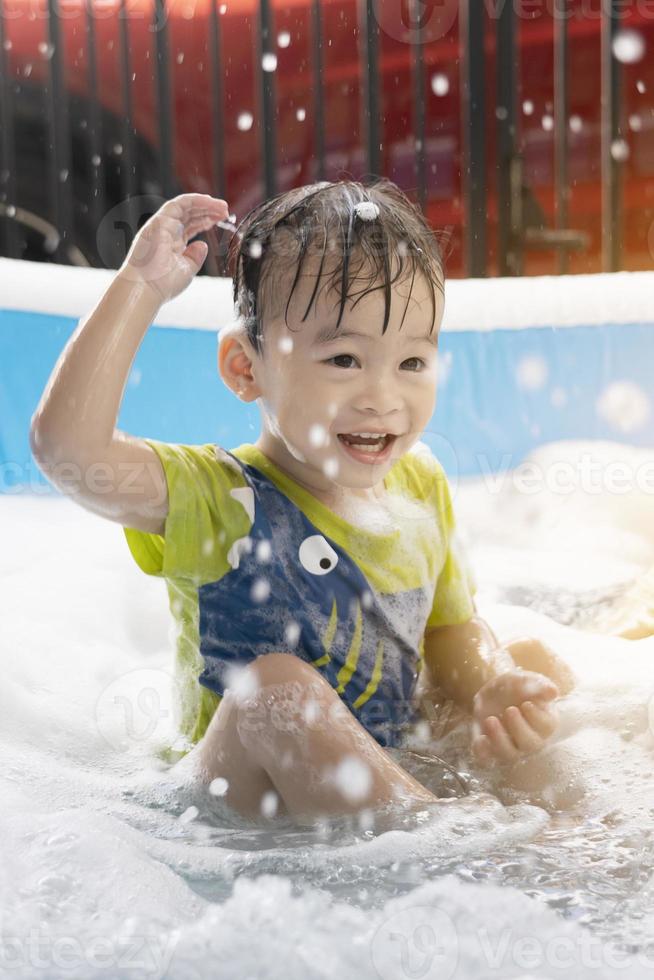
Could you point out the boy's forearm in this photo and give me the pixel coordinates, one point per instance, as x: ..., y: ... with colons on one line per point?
x: 461, y: 659
x: 79, y: 407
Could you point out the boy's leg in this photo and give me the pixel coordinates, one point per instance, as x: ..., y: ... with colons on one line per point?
x: 294, y: 735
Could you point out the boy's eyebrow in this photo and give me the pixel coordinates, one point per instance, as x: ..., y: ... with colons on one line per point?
x: 327, y: 333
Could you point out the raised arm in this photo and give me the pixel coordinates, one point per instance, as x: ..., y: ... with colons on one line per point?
x: 73, y: 433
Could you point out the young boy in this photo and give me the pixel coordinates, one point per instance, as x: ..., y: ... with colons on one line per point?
x: 314, y: 575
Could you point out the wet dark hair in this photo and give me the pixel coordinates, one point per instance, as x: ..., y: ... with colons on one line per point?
x: 320, y: 219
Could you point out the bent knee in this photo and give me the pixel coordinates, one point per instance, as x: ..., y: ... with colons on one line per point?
x: 275, y: 668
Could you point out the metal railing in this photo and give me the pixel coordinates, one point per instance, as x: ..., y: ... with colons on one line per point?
x: 515, y: 236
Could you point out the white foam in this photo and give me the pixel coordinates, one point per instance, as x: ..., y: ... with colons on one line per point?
x: 92, y: 841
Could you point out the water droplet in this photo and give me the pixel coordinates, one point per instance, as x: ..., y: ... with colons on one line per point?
x: 528, y: 107
x: 96, y: 160
x: 244, y: 121
x: 285, y: 345
x: 531, y: 372
x: 255, y: 249
x: 635, y: 122
x: 189, y: 814
x: 619, y: 150
x: 269, y: 61
x: 260, y: 590
x: 46, y: 49
x: 222, y: 9
x: 440, y: 84
x: 283, y: 39
x: 501, y: 112
x: 218, y: 786
x: 628, y: 46
x: 575, y: 123
x: 624, y: 405
x: 318, y: 435
x: 547, y: 122
x: 640, y: 85
x: 292, y: 633
x: 263, y: 551
x: 180, y: 57
x: 353, y: 778
x: 269, y: 803
x: 300, y: 114
x: 331, y: 467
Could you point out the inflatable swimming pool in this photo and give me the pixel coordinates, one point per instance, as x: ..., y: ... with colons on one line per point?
x: 523, y: 362
x: 115, y: 865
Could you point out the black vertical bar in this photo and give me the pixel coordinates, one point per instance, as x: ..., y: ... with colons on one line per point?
x: 97, y: 203
x: 509, y: 250
x: 420, y: 109
x: 166, y: 130
x: 128, y: 155
x: 60, y: 178
x: 473, y: 126
x: 370, y: 108
x: 266, y: 78
x: 610, y: 130
x: 9, y: 243
x: 561, y: 188
x: 318, y: 90
x: 217, y: 108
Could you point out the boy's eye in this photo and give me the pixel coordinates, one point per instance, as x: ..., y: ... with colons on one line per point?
x: 340, y: 357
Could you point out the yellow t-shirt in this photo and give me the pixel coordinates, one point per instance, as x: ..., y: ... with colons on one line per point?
x: 254, y: 563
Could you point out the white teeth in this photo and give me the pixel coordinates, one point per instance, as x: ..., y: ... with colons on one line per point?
x: 369, y: 435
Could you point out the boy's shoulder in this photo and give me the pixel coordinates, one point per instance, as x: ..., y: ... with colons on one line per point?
x: 420, y: 465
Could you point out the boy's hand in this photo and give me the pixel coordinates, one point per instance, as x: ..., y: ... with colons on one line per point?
x: 160, y: 254
x: 513, y: 716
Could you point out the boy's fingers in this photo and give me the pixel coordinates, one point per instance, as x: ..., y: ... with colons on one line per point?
x: 524, y: 737
x: 543, y: 718
x: 540, y: 687
x: 500, y: 741
x: 481, y: 749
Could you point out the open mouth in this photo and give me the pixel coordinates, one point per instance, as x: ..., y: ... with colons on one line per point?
x: 366, y: 448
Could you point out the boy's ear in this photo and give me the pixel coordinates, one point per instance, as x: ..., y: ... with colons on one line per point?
x: 235, y: 366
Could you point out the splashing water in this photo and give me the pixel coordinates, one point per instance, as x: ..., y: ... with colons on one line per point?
x: 143, y: 872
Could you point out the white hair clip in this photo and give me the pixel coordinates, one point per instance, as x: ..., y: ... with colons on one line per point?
x: 366, y: 210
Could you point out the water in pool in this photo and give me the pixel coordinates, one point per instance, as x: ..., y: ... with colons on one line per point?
x: 115, y: 865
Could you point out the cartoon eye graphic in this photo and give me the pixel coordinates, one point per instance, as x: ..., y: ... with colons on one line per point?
x: 317, y: 556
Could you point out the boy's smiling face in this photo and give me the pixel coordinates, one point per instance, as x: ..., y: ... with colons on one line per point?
x: 312, y: 389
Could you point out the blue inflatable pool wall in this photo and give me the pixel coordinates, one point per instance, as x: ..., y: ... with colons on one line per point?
x: 522, y: 362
